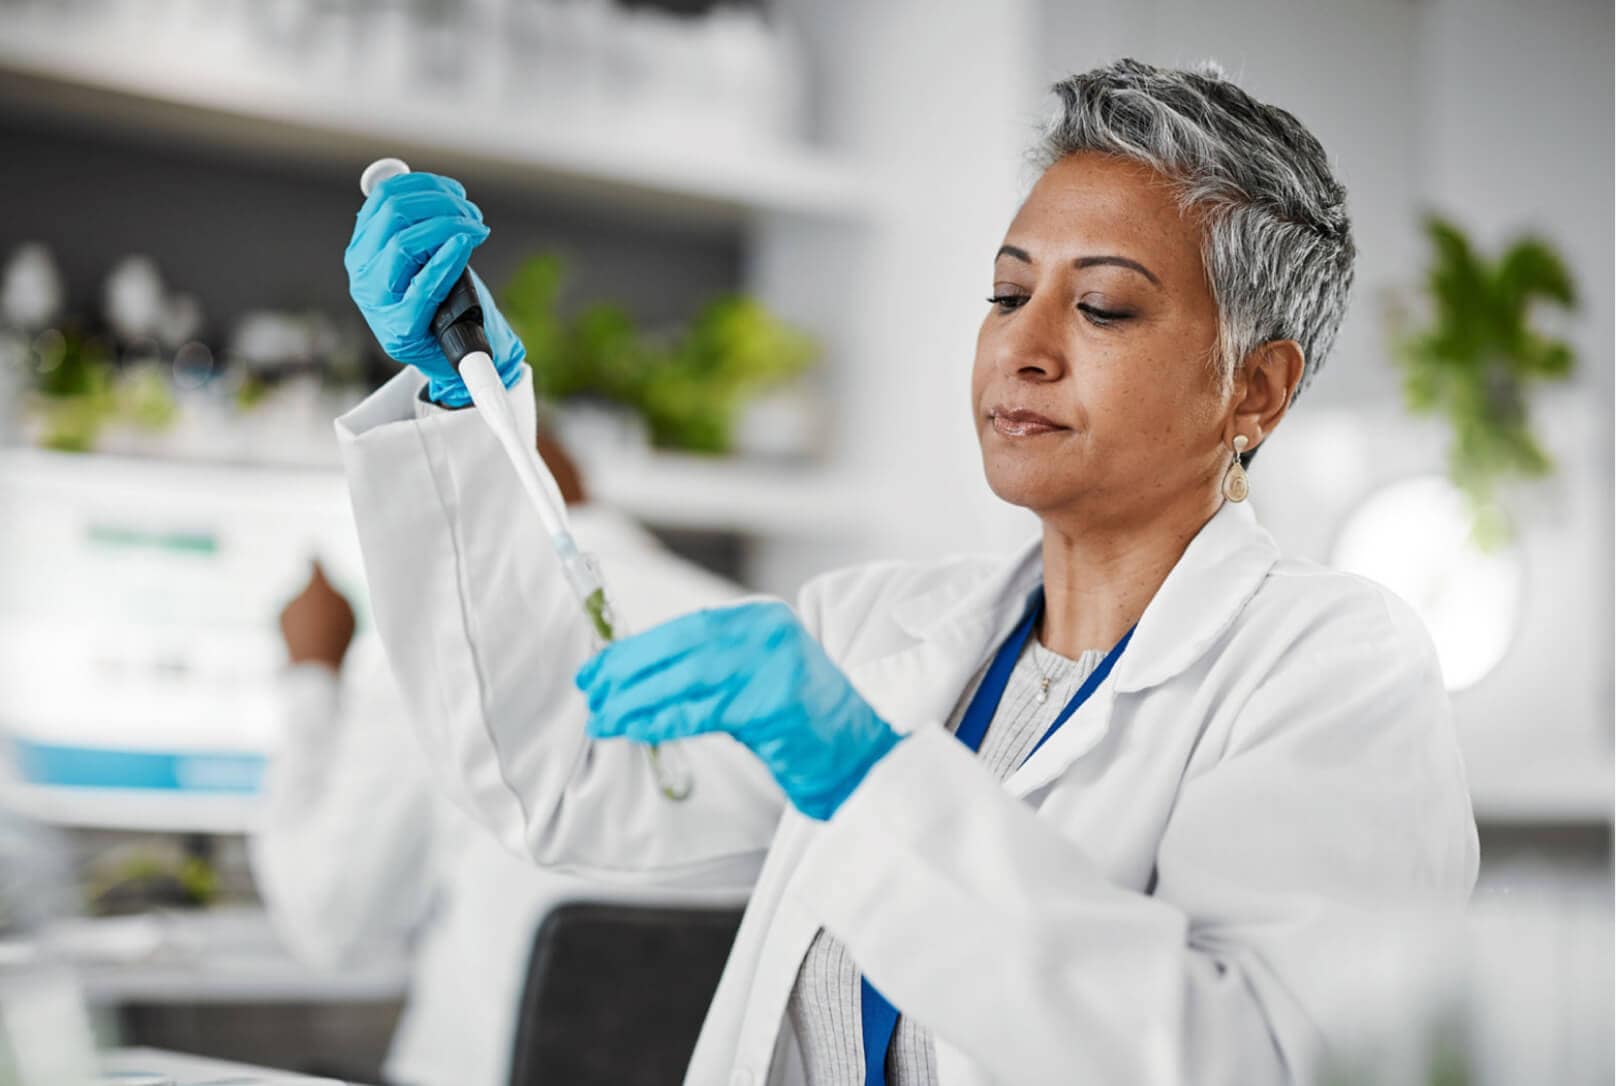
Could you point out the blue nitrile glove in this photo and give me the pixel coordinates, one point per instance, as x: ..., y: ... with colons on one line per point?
x: 411, y: 241
x: 753, y: 671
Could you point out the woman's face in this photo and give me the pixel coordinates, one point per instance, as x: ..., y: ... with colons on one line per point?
x: 1092, y: 387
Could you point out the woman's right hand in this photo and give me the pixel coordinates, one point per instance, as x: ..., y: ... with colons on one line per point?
x: 318, y: 623
x: 411, y: 240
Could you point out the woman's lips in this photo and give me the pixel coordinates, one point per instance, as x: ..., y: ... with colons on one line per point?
x: 1021, y: 423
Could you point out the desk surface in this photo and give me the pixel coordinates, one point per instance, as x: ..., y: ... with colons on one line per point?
x: 185, y: 1070
x: 212, y: 956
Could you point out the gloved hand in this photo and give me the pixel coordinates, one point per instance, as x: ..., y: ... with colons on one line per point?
x: 411, y: 240
x: 750, y: 670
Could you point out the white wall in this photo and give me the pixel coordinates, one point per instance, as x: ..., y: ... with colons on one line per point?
x: 1516, y: 135
x: 934, y: 102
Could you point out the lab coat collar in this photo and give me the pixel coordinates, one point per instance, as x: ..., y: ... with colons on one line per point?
x: 1200, y: 598
x: 995, y: 600
x: 1217, y: 574
x: 953, y: 632
x: 956, y: 631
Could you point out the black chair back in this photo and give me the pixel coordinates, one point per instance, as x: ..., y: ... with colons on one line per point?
x: 616, y: 994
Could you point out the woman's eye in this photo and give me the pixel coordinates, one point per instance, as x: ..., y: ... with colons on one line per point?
x: 1097, y: 316
x: 1102, y: 316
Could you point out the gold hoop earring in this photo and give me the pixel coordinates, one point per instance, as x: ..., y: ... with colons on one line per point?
x: 1236, y: 487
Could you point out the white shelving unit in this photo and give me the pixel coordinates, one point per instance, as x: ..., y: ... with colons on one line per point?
x: 669, y: 490
x: 264, y: 108
x: 754, y: 184
x: 760, y: 499
x: 130, y: 809
x: 123, y: 1064
x: 226, y: 953
x: 1561, y: 792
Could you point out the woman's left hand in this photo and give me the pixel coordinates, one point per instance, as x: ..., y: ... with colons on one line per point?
x: 752, y: 671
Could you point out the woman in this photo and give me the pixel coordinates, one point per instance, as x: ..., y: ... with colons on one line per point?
x: 1177, y: 759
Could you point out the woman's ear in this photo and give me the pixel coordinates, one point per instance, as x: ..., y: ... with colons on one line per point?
x: 1264, y: 388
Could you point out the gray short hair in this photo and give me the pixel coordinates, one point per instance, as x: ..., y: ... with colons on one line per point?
x: 1278, y: 251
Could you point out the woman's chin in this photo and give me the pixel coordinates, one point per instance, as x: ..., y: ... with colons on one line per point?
x: 1030, y: 486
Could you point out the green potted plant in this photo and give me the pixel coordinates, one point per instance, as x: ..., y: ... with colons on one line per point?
x: 1475, y: 359
x: 688, y: 386
x: 73, y: 394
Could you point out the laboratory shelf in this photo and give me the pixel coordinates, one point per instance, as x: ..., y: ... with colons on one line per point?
x: 131, y: 808
x: 97, y: 78
x: 182, y: 1069
x: 670, y: 490
x: 1559, y: 772
x: 242, y: 981
x: 226, y: 954
x: 1559, y: 793
x: 674, y: 490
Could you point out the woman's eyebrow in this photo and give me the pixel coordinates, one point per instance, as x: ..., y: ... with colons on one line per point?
x: 1082, y: 261
x: 1120, y: 261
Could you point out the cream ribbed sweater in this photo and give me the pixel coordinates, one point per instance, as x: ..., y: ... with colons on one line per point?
x: 824, y: 1006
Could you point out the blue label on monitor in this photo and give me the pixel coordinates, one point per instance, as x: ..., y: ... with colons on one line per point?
x: 61, y: 766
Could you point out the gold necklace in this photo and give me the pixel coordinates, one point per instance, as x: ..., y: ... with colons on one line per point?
x: 1044, y: 678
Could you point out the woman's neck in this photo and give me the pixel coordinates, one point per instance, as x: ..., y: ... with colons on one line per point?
x: 1099, y: 580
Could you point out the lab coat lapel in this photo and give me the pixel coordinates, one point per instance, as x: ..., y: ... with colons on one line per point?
x: 954, y: 634
x: 1212, y: 580
x: 1204, y: 593
x: 926, y: 682
x: 1080, y: 734
x: 919, y: 684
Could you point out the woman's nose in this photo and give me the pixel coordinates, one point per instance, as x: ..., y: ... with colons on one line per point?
x: 1033, y: 346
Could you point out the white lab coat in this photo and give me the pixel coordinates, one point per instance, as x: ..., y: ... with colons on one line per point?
x: 358, y: 856
x: 1139, y: 903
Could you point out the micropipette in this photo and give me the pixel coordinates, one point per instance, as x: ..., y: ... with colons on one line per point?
x: 458, y: 326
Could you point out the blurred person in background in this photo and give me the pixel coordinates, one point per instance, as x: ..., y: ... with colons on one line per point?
x: 358, y: 857
x: 1080, y: 814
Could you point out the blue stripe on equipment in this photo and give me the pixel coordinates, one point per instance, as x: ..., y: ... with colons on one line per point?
x: 63, y: 766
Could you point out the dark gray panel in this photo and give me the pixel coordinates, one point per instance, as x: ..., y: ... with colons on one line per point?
x: 244, y: 233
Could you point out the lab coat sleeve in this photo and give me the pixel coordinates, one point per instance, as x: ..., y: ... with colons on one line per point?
x: 1339, y: 790
x: 340, y: 853
x: 485, y: 637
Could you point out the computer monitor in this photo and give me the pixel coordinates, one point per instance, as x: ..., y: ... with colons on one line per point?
x: 138, y: 618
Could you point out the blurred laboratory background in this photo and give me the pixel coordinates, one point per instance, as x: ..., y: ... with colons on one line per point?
x: 747, y: 246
